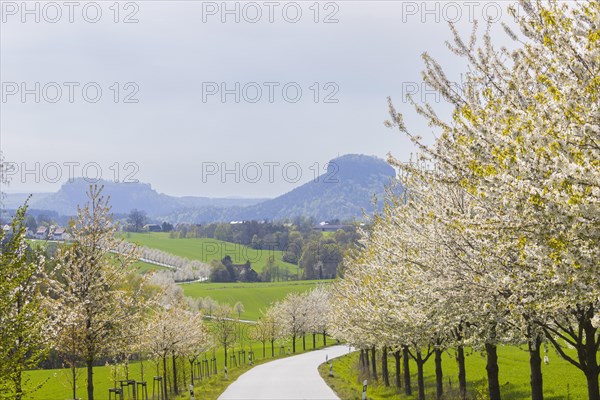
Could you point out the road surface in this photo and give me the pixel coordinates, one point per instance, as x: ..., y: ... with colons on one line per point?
x: 291, y: 378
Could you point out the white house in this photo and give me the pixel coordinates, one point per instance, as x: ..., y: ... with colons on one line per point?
x: 58, y: 233
x: 41, y: 233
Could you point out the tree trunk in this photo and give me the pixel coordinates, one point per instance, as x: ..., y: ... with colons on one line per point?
x: 314, y: 340
x: 492, y: 371
x: 535, y: 367
x: 368, y: 365
x: 272, y: 349
x: 384, y: 366
x: 439, y: 376
x: 462, y: 374
x: 183, y: 369
x: 191, y: 372
x: 74, y: 377
x: 592, y: 384
x: 362, y: 359
x: 225, y: 347
x: 374, y: 363
x: 420, y: 377
x: 174, y: 359
x: 586, y: 349
x: 397, y: 359
x: 591, y: 362
x: 90, y: 378
x: 304, y: 342
x: 165, y: 389
x: 324, y: 338
x: 407, y: 385
x: 18, y: 388
x: 294, y: 344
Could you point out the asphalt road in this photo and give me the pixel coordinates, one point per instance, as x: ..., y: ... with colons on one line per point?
x: 291, y: 378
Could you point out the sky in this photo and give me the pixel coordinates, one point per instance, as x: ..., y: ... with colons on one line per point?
x: 215, y: 99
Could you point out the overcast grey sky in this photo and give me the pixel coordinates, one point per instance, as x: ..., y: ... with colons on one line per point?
x: 176, y: 59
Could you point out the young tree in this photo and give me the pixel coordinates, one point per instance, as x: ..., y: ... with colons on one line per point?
x: 239, y: 309
x: 292, y: 313
x: 142, y: 298
x: 209, y: 306
x: 318, y: 307
x: 68, y: 342
x: 197, y: 342
x: 165, y: 334
x: 91, y: 307
x: 224, y: 328
x: 24, y: 320
x: 267, y: 329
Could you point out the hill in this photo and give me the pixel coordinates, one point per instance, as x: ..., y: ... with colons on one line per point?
x: 343, y: 192
x: 124, y: 197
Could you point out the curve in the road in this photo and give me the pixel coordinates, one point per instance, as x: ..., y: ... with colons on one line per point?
x: 291, y: 378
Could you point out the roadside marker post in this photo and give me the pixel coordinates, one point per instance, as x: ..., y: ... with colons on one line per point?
x: 192, y: 392
x: 364, y: 394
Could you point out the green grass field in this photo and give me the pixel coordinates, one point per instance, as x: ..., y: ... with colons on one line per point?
x: 207, y: 250
x: 56, y: 380
x: 561, y: 379
x: 254, y: 296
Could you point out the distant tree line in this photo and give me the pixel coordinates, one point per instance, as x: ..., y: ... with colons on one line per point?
x: 317, y: 254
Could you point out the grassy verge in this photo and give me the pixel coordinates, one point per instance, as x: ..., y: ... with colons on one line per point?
x: 561, y: 379
x: 55, y: 382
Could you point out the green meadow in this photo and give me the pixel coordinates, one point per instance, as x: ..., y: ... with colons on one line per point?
x: 561, y: 379
x: 254, y: 296
x: 206, y: 250
x: 55, y: 382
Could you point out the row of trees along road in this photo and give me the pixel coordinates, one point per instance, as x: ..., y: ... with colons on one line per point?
x: 86, y: 303
x: 294, y: 317
x: 496, y: 237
